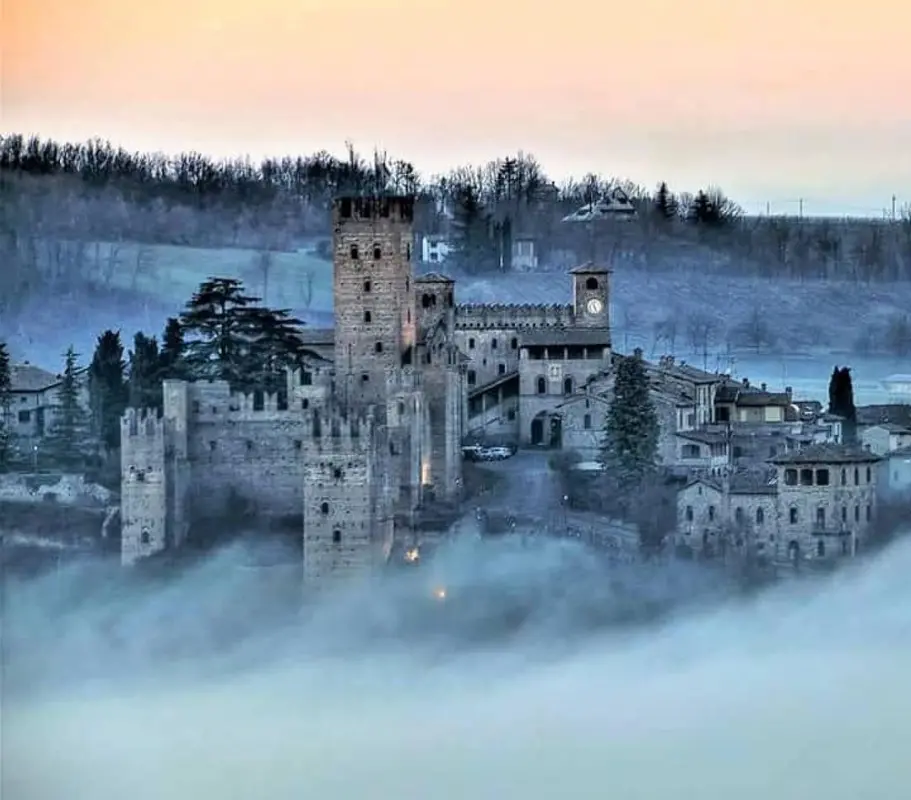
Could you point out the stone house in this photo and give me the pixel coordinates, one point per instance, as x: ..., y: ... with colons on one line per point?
x: 819, y: 504
x: 885, y: 437
x: 741, y: 402
x: 34, y: 398
x: 714, y: 513
x: 827, y: 498
x: 895, y: 473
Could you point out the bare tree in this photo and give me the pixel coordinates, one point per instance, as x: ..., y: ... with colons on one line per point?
x: 306, y: 288
x: 664, y: 334
x: 262, y: 268
x: 702, y: 332
x: 755, y: 332
x: 112, y: 263
x: 143, y: 265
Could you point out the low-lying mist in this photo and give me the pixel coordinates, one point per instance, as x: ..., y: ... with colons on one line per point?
x: 513, y: 668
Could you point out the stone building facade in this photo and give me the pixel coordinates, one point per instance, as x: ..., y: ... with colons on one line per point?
x: 817, y: 502
x: 365, y: 432
x: 371, y: 428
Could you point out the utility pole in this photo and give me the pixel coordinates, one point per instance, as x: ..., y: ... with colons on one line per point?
x: 893, y: 207
x: 800, y: 208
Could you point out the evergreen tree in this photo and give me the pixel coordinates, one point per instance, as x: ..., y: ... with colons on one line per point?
x: 108, y: 389
x: 216, y: 331
x: 6, y: 391
x: 171, y: 357
x: 236, y: 339
x: 144, y: 384
x: 841, y: 401
x: 68, y: 443
x: 665, y: 203
x: 630, y: 442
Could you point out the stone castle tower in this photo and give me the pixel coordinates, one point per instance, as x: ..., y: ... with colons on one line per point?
x: 360, y: 438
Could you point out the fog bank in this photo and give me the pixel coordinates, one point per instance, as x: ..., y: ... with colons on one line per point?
x: 115, y: 691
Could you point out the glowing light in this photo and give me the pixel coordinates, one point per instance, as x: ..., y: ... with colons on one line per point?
x: 425, y: 473
x: 412, y: 555
x: 439, y: 593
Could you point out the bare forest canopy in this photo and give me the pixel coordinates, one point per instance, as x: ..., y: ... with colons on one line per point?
x: 58, y: 201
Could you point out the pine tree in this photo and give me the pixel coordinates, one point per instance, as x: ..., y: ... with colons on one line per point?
x: 108, y: 393
x: 144, y: 384
x: 6, y: 391
x: 68, y: 443
x: 631, y: 429
x: 665, y: 202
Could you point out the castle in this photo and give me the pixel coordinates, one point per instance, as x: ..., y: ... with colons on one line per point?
x: 372, y: 426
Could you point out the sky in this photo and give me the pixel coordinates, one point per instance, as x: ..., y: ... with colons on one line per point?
x: 774, y: 101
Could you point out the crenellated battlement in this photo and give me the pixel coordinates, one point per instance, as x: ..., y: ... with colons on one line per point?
x: 212, y: 401
x: 336, y: 429
x: 526, y: 315
x: 141, y: 423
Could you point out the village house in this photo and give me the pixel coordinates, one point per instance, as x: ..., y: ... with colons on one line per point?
x: 34, y: 399
x: 820, y: 504
x: 885, y: 437
x: 895, y: 474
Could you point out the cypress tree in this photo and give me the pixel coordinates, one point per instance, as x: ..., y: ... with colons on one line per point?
x: 631, y: 430
x: 6, y: 392
x: 108, y: 389
x: 144, y: 385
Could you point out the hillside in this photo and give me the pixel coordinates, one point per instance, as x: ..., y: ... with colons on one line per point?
x: 686, y: 310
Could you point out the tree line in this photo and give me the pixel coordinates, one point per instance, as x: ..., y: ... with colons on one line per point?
x: 96, y: 191
x: 223, y: 333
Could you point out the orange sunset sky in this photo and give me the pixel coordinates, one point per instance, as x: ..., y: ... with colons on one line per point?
x: 772, y: 99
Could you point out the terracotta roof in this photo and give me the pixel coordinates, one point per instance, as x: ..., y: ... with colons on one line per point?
x: 541, y: 337
x: 29, y: 378
x: 758, y: 398
x: 590, y: 268
x: 827, y: 453
x: 899, y: 413
x: 686, y: 372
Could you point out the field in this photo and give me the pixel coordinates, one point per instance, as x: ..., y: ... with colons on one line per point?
x: 697, y: 314
x: 297, y: 279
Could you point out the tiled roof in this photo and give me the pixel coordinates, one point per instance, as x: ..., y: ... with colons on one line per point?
x: 899, y: 413
x: 433, y: 277
x: 827, y: 453
x: 29, y: 378
x: 541, y: 337
x: 590, y: 268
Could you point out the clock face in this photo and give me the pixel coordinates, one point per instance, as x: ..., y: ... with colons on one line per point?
x: 594, y: 306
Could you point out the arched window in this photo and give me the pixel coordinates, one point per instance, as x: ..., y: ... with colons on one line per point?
x: 336, y: 536
x: 324, y: 509
x: 145, y: 537
x: 792, y: 515
x: 378, y: 347
x: 760, y: 516
x: 367, y: 286
x: 567, y: 385
x: 514, y: 343
x: 337, y: 473
x: 377, y: 252
x: 591, y: 284
x: 689, y: 513
x: 587, y: 422
x: 367, y: 316
x: 820, y: 548
x: 355, y: 253
x: 542, y: 386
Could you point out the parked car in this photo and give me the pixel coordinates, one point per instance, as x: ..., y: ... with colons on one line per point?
x: 477, y: 452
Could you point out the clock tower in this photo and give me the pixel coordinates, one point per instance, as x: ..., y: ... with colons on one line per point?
x: 591, y: 296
